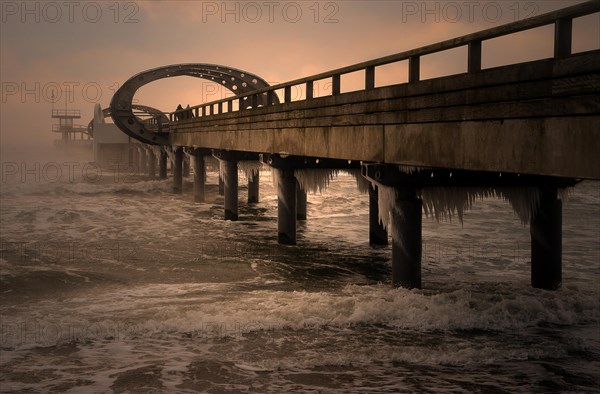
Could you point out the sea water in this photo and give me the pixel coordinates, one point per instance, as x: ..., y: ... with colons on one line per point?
x: 115, y: 284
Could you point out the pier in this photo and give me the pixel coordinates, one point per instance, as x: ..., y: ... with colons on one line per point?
x: 522, y: 132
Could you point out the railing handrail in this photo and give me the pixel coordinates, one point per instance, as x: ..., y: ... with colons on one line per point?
x: 563, y: 36
x: 66, y: 112
x: 76, y: 128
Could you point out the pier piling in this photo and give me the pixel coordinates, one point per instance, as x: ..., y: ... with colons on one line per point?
x: 286, y: 206
x: 199, y: 177
x: 177, y: 170
x: 162, y: 165
x: 143, y: 160
x: 406, y: 239
x: 253, y: 188
x: 546, y: 241
x: 231, y: 189
x: 135, y: 159
x: 151, y: 164
x: 186, y: 166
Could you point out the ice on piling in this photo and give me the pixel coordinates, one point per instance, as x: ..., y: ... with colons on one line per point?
x: 362, y: 183
x: 411, y: 169
x: 250, y: 168
x: 445, y: 203
x: 315, y: 180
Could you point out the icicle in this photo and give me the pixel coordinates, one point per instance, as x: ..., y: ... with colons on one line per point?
x: 314, y: 179
x: 445, y: 202
x: 250, y: 168
x: 386, y: 200
x: 211, y: 163
x: 156, y: 149
x: 193, y: 165
x: 362, y: 184
x: 221, y: 169
x: 410, y: 169
x: 565, y: 193
x: 169, y: 150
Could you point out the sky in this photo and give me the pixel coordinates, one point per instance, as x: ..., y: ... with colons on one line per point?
x: 81, y: 51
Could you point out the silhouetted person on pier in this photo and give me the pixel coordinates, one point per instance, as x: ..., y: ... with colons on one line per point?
x: 188, y: 112
x: 179, y: 115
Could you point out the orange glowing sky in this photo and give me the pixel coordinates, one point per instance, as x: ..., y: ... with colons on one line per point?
x: 95, y: 46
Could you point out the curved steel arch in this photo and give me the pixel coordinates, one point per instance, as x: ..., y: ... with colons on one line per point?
x: 121, y: 107
x: 106, y: 112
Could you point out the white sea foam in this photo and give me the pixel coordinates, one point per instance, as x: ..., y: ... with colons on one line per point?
x: 113, y: 184
x: 200, y: 307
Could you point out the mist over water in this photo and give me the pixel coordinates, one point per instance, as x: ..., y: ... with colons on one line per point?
x: 113, y: 283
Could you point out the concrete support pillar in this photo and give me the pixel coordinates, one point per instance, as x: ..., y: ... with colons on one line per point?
x: 253, y: 188
x: 135, y: 158
x: 143, y: 160
x: 199, y: 177
x: 151, y: 164
x: 406, y: 239
x: 178, y: 170
x: 231, y: 189
x: 378, y: 235
x: 129, y: 154
x: 301, y: 202
x: 286, y: 206
x: 186, y: 166
x: 546, y: 241
x: 221, y: 186
x: 162, y: 165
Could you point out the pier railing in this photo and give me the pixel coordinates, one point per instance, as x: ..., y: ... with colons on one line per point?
x: 563, y: 36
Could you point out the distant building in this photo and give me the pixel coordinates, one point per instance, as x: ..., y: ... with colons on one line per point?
x: 111, y: 145
x: 70, y: 134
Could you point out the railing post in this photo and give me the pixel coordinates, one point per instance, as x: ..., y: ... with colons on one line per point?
x: 287, y: 94
x: 271, y: 97
x: 230, y: 106
x: 220, y: 106
x: 563, y: 36
x: 474, y: 56
x: 254, y: 101
x: 196, y: 112
x: 309, y: 90
x: 171, y: 117
x: 242, y: 106
x: 335, y: 85
x: 204, y: 110
x: 369, y: 77
x: 414, y: 69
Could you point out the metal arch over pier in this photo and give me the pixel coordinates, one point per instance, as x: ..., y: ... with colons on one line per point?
x: 526, y: 125
x: 121, y: 106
